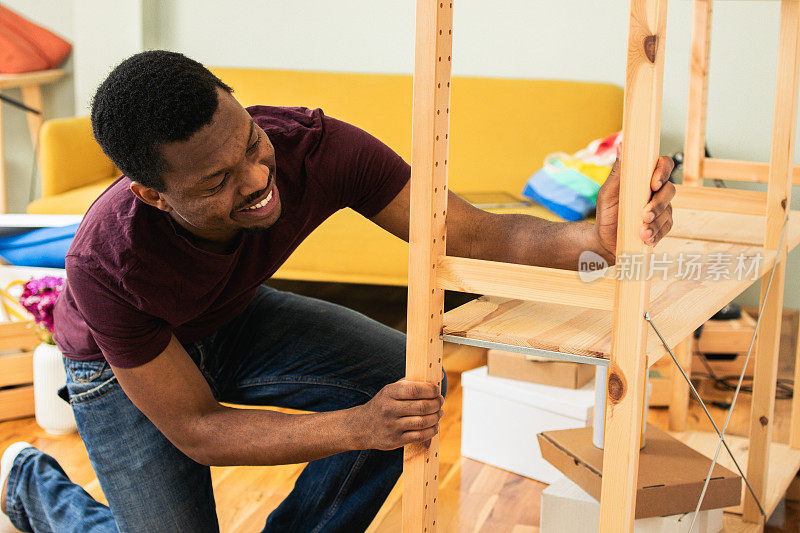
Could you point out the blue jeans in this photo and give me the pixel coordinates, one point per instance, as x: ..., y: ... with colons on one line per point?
x: 284, y: 350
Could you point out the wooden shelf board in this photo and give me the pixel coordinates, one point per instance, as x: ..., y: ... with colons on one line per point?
x: 727, y: 227
x: 784, y: 464
x: 678, y: 305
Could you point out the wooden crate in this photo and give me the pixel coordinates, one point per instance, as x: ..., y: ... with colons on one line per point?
x: 17, y: 342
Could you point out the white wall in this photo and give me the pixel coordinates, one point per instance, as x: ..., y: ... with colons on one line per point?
x: 105, y: 34
x: 576, y: 40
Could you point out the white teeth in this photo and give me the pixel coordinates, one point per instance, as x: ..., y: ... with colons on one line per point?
x: 262, y: 203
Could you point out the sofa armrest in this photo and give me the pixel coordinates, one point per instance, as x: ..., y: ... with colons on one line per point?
x: 69, y: 157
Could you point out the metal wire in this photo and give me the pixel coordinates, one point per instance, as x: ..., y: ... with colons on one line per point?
x: 744, y: 368
x: 735, y: 395
x: 705, y: 409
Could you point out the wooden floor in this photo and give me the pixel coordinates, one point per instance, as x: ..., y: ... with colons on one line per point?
x: 472, y: 496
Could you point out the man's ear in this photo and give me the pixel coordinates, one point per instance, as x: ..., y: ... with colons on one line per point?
x: 150, y: 196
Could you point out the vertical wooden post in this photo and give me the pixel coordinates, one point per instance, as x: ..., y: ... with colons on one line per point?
x: 679, y: 400
x: 32, y: 97
x: 427, y: 234
x: 693, y: 155
x: 778, y: 199
x: 641, y: 126
x: 694, y: 145
x: 794, y: 432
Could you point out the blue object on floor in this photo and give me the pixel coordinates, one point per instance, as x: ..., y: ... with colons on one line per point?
x: 45, y: 247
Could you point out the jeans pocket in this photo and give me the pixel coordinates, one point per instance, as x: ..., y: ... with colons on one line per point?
x: 88, y: 380
x: 85, y: 371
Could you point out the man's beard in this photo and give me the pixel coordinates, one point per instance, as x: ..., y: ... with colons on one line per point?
x: 257, y: 229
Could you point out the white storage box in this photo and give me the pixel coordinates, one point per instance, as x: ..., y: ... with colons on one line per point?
x: 567, y: 508
x: 501, y: 418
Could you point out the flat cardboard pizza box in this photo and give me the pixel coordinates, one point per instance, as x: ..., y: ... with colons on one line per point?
x: 671, y: 474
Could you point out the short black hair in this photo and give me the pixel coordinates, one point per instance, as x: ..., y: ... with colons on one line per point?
x: 152, y: 98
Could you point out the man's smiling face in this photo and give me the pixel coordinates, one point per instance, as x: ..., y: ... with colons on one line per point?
x: 215, y: 179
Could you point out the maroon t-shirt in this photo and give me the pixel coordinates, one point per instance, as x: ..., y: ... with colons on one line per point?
x: 134, y: 277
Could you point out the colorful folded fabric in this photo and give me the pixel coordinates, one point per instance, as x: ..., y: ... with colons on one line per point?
x: 562, y: 200
x: 568, y: 185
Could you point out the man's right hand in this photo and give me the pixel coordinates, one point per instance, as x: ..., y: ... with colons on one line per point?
x: 402, y: 413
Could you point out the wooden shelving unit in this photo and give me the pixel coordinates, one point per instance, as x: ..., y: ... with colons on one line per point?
x: 553, y: 313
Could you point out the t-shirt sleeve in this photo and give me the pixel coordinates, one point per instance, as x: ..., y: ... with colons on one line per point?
x: 358, y: 170
x: 127, y: 336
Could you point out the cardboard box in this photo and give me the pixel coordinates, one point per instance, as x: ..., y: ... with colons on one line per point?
x: 501, y: 418
x: 539, y: 369
x: 725, y: 367
x: 726, y: 336
x: 567, y: 508
x: 671, y: 474
x: 660, y: 376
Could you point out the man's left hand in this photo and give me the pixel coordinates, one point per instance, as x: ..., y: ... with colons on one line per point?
x: 656, y: 215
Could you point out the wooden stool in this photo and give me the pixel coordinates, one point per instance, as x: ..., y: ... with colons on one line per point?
x: 30, y: 84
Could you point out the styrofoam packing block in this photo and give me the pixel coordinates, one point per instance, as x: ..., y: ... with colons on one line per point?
x: 501, y: 418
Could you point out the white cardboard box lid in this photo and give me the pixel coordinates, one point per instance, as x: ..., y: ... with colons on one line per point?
x: 574, y: 403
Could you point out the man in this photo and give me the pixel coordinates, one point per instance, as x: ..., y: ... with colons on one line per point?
x: 164, y: 315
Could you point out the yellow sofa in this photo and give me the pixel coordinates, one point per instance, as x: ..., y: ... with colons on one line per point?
x: 501, y: 129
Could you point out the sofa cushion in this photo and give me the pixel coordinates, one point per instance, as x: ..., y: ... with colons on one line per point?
x: 348, y: 248
x: 70, y: 158
x: 74, y: 202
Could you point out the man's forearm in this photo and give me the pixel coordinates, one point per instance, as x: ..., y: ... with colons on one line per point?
x: 228, y: 436
x: 529, y: 240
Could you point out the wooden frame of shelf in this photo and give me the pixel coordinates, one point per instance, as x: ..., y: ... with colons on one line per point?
x: 554, y: 313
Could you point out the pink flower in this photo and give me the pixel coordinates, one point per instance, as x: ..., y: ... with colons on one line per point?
x: 39, y: 298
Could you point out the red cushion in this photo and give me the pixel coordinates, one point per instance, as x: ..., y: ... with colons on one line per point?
x: 25, y: 46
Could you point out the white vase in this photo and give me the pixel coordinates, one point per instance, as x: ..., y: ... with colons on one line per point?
x: 53, y: 414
